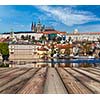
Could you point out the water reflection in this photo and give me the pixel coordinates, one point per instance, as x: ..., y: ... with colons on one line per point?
x: 4, y: 65
x: 35, y: 65
x: 55, y: 63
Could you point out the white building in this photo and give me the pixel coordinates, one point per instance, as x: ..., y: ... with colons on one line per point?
x: 75, y: 36
x: 19, y: 35
x: 78, y: 36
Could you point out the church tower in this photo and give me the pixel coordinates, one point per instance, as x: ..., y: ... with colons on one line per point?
x: 33, y: 26
x: 43, y: 28
x: 12, y: 34
x: 39, y: 27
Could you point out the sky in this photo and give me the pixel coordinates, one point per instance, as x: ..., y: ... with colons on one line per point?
x: 85, y: 18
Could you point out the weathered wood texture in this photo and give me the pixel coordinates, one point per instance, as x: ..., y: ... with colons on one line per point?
x: 36, y: 83
x: 86, y: 80
x: 11, y: 83
x: 53, y: 84
x: 25, y: 80
x: 71, y: 83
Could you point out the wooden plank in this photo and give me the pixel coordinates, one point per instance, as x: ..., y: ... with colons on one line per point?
x: 3, y: 68
x: 14, y: 89
x: 72, y: 84
x: 12, y: 71
x: 13, y: 86
x: 91, y: 71
x: 53, y: 83
x: 6, y: 74
x: 36, y: 84
x: 6, y: 70
x: 95, y: 69
x: 11, y: 77
x: 91, y: 84
x: 91, y: 75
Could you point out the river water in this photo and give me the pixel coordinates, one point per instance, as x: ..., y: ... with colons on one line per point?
x: 59, y: 63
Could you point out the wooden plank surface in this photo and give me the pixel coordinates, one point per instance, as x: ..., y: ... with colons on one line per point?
x: 56, y: 80
x: 10, y: 72
x: 91, y: 84
x: 94, y: 69
x: 6, y: 70
x: 11, y: 76
x: 53, y: 83
x: 91, y: 75
x: 91, y: 71
x: 71, y: 83
x: 18, y: 77
x: 36, y: 84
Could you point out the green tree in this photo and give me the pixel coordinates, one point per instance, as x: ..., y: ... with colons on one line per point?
x: 43, y: 38
x: 4, y: 50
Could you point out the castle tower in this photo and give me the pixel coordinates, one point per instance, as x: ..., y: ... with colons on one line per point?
x: 33, y: 27
x: 43, y: 28
x: 39, y: 27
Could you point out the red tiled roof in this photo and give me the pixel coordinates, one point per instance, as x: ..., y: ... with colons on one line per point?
x: 56, y: 32
x: 42, y: 49
x: 63, y: 46
x: 3, y: 40
x: 39, y: 44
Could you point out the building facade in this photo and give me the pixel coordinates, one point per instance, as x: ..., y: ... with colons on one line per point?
x: 79, y: 36
x: 23, y: 52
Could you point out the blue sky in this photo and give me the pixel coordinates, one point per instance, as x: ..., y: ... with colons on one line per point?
x: 63, y: 18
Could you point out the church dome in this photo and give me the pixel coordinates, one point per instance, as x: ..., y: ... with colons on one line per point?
x: 75, y: 31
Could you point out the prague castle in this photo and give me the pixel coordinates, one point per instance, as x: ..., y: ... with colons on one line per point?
x: 38, y: 29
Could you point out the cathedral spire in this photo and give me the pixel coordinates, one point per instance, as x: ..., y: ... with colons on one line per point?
x: 39, y: 22
x: 32, y: 26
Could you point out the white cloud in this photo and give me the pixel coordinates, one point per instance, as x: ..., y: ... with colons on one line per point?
x: 68, y: 15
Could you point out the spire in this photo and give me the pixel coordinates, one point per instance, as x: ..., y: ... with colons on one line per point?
x: 12, y: 34
x: 43, y: 28
x: 39, y: 22
x: 32, y: 26
x: 35, y: 27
